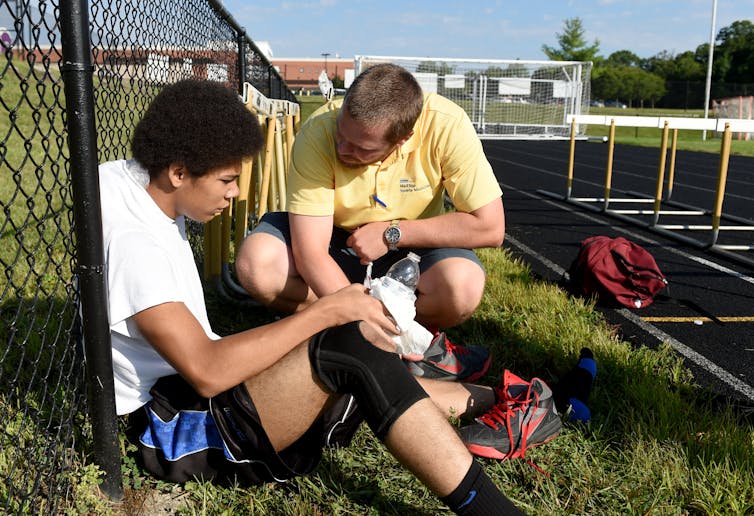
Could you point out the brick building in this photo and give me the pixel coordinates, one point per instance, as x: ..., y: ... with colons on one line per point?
x: 303, y: 73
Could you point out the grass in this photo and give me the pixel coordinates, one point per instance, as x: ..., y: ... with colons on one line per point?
x: 657, y: 444
x: 309, y: 104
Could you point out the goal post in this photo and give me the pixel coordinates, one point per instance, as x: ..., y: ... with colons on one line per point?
x: 503, y: 98
x: 741, y: 107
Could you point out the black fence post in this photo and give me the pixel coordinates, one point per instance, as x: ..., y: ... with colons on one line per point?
x: 271, y: 82
x: 241, y: 61
x: 76, y: 69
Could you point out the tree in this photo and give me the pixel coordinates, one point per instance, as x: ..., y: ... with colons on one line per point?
x: 494, y: 71
x: 688, y: 67
x: 623, y: 58
x: 735, y: 50
x: 645, y: 86
x: 441, y: 68
x: 338, y: 83
x: 516, y: 70
x: 573, y: 45
x: 609, y: 83
x: 662, y: 64
x: 628, y: 83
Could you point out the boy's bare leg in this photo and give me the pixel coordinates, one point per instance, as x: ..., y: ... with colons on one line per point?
x: 288, y: 398
x: 423, y: 441
x: 422, y: 430
x: 459, y: 399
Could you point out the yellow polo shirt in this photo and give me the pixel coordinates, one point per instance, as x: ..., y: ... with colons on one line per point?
x: 444, y: 153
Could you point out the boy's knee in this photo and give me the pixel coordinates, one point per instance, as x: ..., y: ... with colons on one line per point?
x: 346, y: 362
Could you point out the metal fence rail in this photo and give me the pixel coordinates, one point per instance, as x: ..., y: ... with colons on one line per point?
x: 46, y: 430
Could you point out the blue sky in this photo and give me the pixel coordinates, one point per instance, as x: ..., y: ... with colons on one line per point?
x: 479, y: 28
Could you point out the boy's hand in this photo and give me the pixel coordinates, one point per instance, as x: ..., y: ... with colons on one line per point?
x: 353, y: 303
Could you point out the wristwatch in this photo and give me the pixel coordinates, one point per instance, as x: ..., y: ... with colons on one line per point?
x: 393, y: 235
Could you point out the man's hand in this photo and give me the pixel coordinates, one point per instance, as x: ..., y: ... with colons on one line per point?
x: 368, y: 241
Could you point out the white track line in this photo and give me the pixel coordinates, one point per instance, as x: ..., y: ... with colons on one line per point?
x: 700, y: 360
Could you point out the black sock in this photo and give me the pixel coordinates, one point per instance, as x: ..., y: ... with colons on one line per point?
x: 476, y: 494
x: 577, y: 383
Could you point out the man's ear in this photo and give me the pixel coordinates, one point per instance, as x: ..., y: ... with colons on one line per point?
x: 177, y: 174
x: 405, y: 138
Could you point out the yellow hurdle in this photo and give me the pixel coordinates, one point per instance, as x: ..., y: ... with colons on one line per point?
x: 609, y: 167
x: 661, y: 173
x: 262, y: 183
x: 726, y: 127
x: 722, y: 176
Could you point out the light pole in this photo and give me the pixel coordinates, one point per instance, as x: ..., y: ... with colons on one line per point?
x: 708, y: 84
x: 325, y: 54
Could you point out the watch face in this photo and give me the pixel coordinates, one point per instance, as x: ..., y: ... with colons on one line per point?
x: 392, y: 234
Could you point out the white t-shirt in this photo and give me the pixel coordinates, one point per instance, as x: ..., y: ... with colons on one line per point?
x: 149, y: 262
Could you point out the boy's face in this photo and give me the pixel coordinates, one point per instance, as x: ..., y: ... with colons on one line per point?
x: 203, y: 198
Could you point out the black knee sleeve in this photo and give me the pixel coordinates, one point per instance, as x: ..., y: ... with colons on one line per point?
x: 346, y: 362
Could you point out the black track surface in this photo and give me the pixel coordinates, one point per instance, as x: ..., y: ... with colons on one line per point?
x: 545, y: 231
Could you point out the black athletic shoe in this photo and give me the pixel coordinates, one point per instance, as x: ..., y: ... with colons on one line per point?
x: 444, y: 360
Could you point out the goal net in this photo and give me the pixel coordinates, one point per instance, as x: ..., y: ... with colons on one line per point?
x: 503, y: 98
x: 735, y: 107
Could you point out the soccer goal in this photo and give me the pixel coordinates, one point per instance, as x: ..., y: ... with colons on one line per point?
x: 504, y: 98
x: 735, y: 107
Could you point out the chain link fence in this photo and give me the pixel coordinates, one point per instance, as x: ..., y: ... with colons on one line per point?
x: 690, y: 94
x: 46, y: 432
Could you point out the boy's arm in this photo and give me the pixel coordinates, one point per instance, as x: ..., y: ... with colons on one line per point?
x: 213, y: 366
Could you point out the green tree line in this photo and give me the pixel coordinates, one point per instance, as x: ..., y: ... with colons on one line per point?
x: 625, y: 76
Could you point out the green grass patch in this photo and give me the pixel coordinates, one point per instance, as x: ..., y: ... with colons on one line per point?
x: 35, y: 195
x: 309, y: 104
x: 657, y: 443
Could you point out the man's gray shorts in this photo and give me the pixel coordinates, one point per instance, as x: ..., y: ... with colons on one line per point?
x: 276, y: 224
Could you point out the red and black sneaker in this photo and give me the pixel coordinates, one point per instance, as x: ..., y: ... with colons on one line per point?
x: 523, y: 417
x: 444, y: 360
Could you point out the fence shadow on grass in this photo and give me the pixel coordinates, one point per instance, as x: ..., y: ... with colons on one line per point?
x: 43, y: 395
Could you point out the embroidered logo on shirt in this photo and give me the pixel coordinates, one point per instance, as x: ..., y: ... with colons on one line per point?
x: 408, y: 186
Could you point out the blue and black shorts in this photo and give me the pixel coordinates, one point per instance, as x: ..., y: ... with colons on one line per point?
x: 182, y: 436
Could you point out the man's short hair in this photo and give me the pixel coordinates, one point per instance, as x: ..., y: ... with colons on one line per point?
x: 385, y: 93
x: 199, y: 124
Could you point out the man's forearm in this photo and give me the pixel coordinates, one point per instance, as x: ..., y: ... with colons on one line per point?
x: 323, y: 275
x: 453, y: 230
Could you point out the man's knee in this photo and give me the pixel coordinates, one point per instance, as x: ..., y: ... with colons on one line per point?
x: 262, y: 265
x: 346, y: 362
x: 466, y: 294
x: 453, y: 289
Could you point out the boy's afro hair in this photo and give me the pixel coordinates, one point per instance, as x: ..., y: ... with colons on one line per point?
x: 199, y: 124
